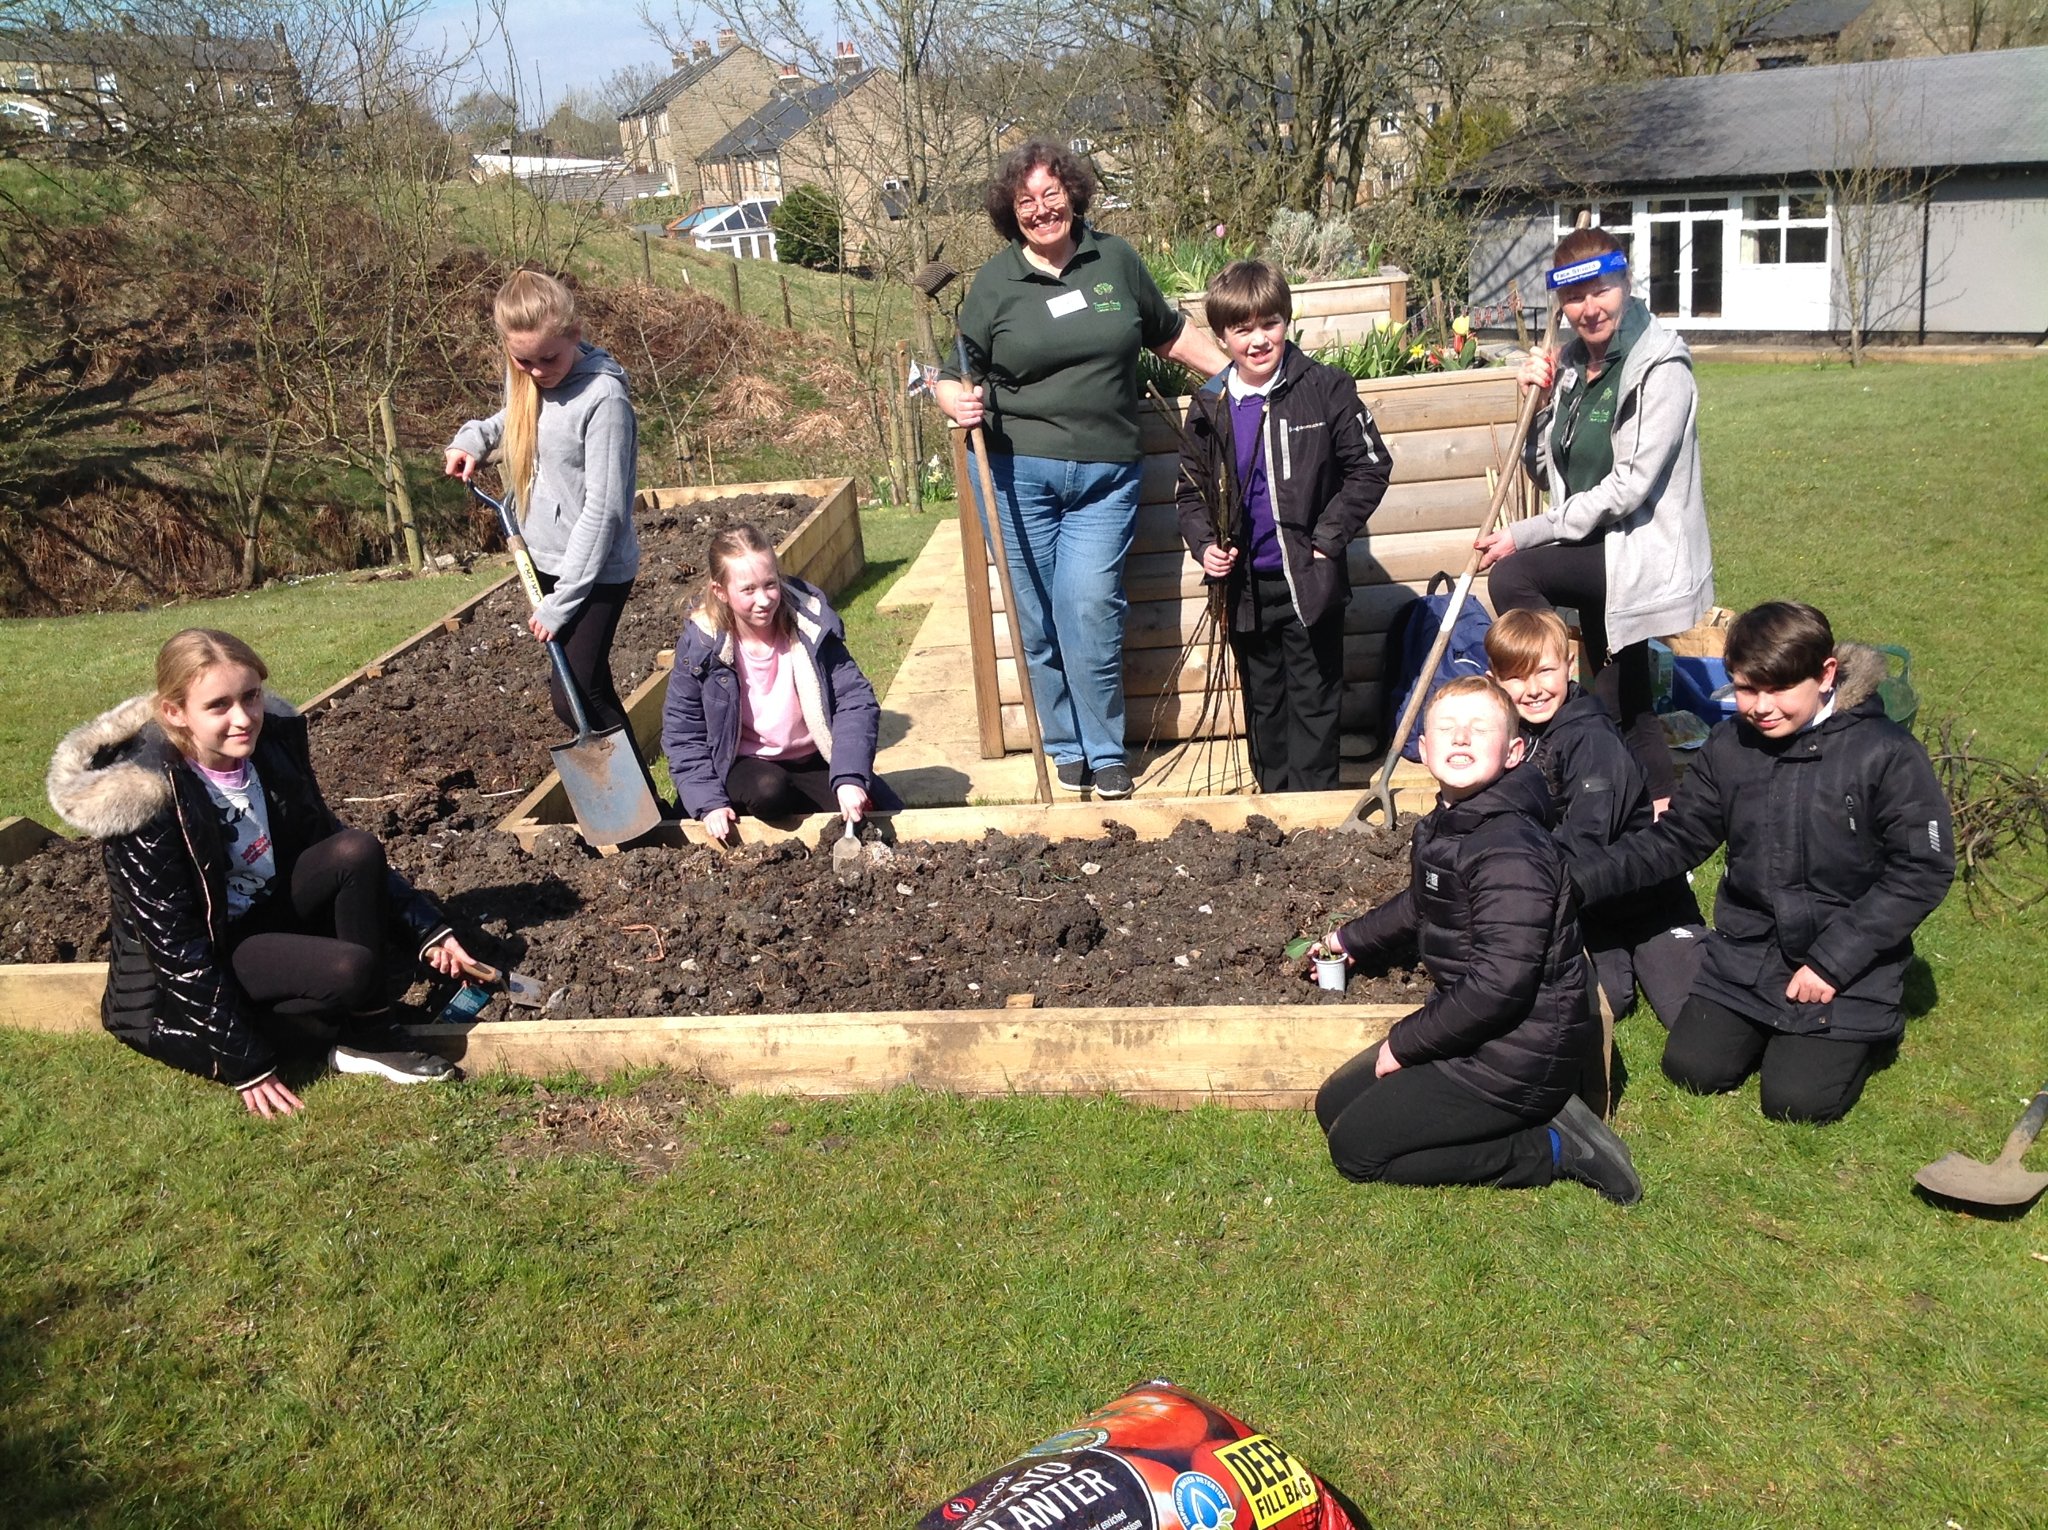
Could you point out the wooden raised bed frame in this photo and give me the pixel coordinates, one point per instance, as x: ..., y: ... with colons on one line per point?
x: 825, y: 548
x: 1444, y: 432
x: 1258, y: 1056
x: 1328, y: 313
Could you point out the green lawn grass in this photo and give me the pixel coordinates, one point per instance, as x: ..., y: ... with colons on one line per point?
x: 62, y: 670
x: 835, y: 1313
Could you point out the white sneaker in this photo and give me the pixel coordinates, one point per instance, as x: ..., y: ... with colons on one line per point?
x: 398, y: 1067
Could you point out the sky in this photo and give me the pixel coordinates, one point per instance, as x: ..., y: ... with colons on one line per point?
x: 561, y: 42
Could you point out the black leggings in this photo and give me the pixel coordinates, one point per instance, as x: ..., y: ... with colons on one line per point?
x: 316, y: 948
x: 586, y: 639
x: 1575, y: 574
x: 781, y: 788
x: 1418, y: 1127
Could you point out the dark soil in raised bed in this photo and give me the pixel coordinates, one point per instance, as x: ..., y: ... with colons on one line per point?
x: 1198, y: 918
x: 456, y: 730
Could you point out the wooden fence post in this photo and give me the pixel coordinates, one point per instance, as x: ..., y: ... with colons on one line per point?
x: 736, y: 286
x: 646, y: 259
x: 788, y: 322
x: 394, y: 472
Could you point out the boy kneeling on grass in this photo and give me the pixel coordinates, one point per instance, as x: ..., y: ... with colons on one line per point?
x: 1479, y: 1086
x: 1838, y: 846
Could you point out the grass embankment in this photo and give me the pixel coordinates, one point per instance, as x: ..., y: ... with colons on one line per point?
x: 391, y: 1312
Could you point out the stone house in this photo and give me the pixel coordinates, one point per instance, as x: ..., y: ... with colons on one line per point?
x: 710, y: 93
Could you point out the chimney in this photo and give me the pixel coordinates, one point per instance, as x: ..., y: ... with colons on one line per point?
x: 201, y: 28
x: 53, y: 21
x: 728, y: 39
x: 788, y: 76
x: 277, y: 31
x: 699, y: 50
x: 846, y: 59
x: 679, y: 60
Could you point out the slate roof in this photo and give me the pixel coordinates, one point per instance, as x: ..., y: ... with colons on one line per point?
x: 660, y: 96
x: 1962, y: 110
x: 783, y: 118
x: 1788, y: 23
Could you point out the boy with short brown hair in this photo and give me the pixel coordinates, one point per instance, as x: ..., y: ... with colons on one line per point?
x: 1598, y: 793
x: 1839, y: 845
x: 1479, y: 1086
x: 1282, y: 447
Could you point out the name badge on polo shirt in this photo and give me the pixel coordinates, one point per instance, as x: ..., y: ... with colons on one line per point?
x: 1066, y: 303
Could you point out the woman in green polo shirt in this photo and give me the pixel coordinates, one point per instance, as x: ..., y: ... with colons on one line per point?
x: 1052, y: 328
x: 1624, y: 540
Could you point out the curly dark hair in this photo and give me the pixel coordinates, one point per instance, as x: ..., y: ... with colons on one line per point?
x: 1068, y: 168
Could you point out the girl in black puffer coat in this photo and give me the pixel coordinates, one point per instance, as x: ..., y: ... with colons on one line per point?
x: 238, y: 897
x: 1479, y: 1085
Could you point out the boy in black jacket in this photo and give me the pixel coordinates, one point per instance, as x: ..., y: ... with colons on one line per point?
x: 1478, y: 1087
x: 1838, y: 847
x: 1598, y: 793
x: 1280, y: 468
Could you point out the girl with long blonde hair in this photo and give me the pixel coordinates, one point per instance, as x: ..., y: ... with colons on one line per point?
x: 246, y: 917
x: 567, y: 446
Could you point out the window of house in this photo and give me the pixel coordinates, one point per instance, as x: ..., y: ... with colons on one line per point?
x: 1390, y: 122
x: 1081, y: 145
x: 1436, y: 113
x: 105, y: 83
x: 1788, y: 228
x: 1617, y: 218
x: 262, y: 95
x: 25, y: 77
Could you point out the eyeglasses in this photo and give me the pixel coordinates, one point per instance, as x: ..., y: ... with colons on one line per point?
x: 1052, y: 201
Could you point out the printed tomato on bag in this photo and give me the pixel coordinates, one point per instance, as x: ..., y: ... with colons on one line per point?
x: 1157, y: 1458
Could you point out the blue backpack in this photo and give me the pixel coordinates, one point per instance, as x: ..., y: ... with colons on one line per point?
x: 1408, y: 642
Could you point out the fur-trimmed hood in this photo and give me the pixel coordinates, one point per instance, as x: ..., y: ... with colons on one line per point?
x: 1859, y: 670
x: 815, y: 621
x: 112, y: 775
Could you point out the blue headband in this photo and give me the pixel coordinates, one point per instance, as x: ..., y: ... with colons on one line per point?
x: 1611, y: 262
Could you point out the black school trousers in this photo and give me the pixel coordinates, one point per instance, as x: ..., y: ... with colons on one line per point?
x: 1291, y: 677
x: 1417, y: 1126
x: 1802, y: 1078
x: 315, y: 947
x: 586, y: 639
x: 1575, y: 574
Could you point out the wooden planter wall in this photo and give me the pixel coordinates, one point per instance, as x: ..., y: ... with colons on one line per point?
x: 825, y: 549
x: 1444, y: 432
x: 1329, y: 313
x: 1254, y: 1056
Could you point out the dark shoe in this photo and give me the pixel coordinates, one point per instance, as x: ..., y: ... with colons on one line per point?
x: 1113, y: 782
x: 399, y: 1066
x: 1589, y: 1152
x: 1073, y: 776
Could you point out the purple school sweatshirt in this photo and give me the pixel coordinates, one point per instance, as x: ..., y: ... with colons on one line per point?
x: 1246, y: 415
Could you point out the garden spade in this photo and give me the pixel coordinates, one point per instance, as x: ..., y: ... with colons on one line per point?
x: 2002, y: 1182
x: 521, y: 991
x: 847, y: 851
x: 600, y: 771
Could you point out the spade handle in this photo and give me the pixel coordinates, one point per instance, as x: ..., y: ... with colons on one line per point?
x: 2028, y: 1129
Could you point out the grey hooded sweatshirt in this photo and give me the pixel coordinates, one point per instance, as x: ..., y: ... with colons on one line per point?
x: 579, y: 526
x: 1660, y: 564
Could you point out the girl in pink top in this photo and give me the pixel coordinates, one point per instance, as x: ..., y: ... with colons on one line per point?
x: 767, y: 712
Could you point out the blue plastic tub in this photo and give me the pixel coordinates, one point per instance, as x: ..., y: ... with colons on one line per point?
x: 1693, y: 684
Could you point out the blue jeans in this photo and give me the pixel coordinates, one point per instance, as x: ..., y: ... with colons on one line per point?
x: 1067, y: 529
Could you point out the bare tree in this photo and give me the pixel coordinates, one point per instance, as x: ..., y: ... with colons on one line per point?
x: 1968, y: 26
x: 1879, y: 201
